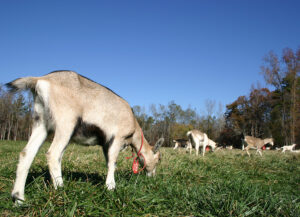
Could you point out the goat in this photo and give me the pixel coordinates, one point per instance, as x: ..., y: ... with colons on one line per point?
x: 197, y: 138
x: 256, y: 143
x: 288, y: 148
x: 179, y: 143
x: 73, y: 106
x: 219, y: 148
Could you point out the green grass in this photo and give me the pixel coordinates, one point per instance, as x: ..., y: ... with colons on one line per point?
x: 224, y: 183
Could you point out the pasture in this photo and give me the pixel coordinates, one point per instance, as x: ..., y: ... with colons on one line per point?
x: 224, y: 183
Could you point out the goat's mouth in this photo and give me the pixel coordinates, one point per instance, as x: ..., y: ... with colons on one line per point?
x: 151, y: 173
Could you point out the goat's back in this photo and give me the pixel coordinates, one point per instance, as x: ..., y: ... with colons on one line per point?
x: 70, y: 94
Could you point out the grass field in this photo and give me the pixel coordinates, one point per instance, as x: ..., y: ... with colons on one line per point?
x: 224, y: 183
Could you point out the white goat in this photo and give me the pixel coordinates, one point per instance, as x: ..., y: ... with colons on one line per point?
x: 256, y: 143
x: 219, y: 148
x: 75, y: 107
x: 198, y: 139
x: 288, y: 148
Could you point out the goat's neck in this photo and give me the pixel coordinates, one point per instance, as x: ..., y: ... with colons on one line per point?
x: 146, y: 149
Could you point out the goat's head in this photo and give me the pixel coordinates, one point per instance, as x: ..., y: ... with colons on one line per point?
x: 151, y: 164
x: 270, y: 141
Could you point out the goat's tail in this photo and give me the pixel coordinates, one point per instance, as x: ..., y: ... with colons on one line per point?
x: 189, y: 134
x: 22, y: 84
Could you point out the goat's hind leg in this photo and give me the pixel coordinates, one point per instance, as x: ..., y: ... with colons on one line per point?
x: 247, y: 150
x: 61, y: 139
x: 176, y: 146
x: 38, y: 136
x: 191, y: 148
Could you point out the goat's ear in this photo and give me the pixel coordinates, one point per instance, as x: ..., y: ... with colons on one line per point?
x: 158, y: 144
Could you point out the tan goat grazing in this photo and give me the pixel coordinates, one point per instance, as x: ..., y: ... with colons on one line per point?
x: 75, y: 107
x: 256, y: 143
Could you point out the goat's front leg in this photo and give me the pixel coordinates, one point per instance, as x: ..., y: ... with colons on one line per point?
x: 38, y: 136
x: 203, y: 150
x: 112, y: 155
x: 259, y: 151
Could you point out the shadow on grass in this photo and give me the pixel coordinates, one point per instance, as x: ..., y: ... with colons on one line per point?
x: 74, y: 176
x: 93, y: 178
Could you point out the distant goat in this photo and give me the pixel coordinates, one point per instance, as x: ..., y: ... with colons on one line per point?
x: 189, y: 146
x: 179, y: 143
x: 219, y: 148
x: 75, y: 107
x: 288, y: 148
x: 256, y: 143
x: 199, y: 139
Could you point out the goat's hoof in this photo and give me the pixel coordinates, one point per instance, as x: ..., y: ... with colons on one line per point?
x: 110, y: 186
x: 58, y: 186
x: 17, y: 200
x: 19, y: 203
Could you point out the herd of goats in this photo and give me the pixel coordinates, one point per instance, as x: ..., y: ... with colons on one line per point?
x: 199, y: 139
x: 75, y: 107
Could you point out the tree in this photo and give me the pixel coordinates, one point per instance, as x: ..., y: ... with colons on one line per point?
x: 283, y: 75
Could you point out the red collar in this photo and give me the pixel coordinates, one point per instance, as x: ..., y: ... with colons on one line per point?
x: 135, y: 164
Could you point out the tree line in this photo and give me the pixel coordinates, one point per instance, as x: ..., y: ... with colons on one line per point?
x: 171, y: 121
x: 15, y: 115
x: 269, y: 113
x: 265, y: 112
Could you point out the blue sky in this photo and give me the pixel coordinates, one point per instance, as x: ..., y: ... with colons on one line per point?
x: 149, y: 51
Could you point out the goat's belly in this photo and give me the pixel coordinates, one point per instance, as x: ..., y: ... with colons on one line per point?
x: 85, y: 140
x: 87, y: 134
